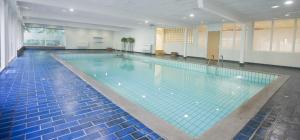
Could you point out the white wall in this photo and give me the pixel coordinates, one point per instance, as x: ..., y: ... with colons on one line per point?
x: 77, y: 38
x: 143, y: 37
x: 175, y: 47
x: 147, y: 36
x: 274, y: 58
x: 230, y: 54
x: 11, y: 32
x: 193, y: 50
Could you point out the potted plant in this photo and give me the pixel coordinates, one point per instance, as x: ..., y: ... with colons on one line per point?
x: 131, y: 42
x: 124, y: 41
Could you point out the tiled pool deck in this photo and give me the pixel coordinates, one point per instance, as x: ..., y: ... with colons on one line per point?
x: 41, y: 99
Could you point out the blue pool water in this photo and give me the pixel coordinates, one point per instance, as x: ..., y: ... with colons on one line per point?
x: 191, y: 97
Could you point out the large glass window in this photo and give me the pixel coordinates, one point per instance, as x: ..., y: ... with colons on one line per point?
x: 202, y: 36
x: 231, y: 35
x: 176, y: 35
x: 34, y: 37
x: 262, y: 35
x: 283, y: 35
x: 297, y: 43
x: 40, y: 36
x: 54, y: 37
x: 237, y: 34
x: 228, y: 35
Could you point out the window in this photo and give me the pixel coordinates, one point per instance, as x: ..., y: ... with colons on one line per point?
x: 262, y: 35
x: 297, y: 42
x: 231, y: 35
x: 283, y: 35
x: 40, y: 36
x: 34, y: 37
x: 54, y: 37
x: 227, y: 35
x: 237, y: 38
x: 176, y: 35
x: 202, y: 36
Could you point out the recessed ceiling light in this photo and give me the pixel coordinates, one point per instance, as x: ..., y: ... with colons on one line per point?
x: 146, y: 21
x: 288, y: 2
x: 192, y: 15
x: 71, y: 10
x: 275, y: 6
x: 287, y: 15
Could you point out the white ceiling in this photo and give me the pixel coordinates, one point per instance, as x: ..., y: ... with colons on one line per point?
x: 126, y: 14
x: 261, y: 9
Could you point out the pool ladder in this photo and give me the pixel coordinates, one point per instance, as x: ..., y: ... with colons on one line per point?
x: 209, y: 60
x: 222, y: 61
x: 219, y: 62
x: 118, y: 52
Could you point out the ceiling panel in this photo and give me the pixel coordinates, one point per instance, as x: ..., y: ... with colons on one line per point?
x: 261, y: 9
x: 133, y: 13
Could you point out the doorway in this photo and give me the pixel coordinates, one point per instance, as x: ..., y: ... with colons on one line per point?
x: 213, y: 42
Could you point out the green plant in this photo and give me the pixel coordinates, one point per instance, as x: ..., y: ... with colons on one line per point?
x: 124, y: 41
x: 131, y: 42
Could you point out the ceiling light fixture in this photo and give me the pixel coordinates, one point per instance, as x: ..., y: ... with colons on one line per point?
x: 71, y: 10
x: 287, y: 15
x: 275, y: 6
x: 192, y: 15
x: 146, y: 21
x: 288, y: 2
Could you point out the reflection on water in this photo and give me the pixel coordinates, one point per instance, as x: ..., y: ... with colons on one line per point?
x: 127, y: 64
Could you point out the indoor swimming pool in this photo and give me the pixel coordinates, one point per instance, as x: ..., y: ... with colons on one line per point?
x: 191, y: 97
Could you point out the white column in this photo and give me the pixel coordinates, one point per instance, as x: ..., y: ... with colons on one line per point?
x: 2, y: 33
x: 295, y: 34
x: 185, y: 43
x: 196, y: 37
x: 243, y: 43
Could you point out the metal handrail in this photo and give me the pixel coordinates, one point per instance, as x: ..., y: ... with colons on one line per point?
x: 222, y: 60
x: 209, y: 60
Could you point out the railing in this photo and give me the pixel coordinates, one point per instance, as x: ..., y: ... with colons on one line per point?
x: 209, y: 60
x: 222, y: 60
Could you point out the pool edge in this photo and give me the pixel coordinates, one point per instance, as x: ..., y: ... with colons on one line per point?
x: 230, y: 126
x: 155, y: 123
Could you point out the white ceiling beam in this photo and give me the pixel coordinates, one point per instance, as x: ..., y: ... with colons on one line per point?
x: 72, y: 24
x: 217, y: 9
x: 98, y: 9
x: 79, y: 19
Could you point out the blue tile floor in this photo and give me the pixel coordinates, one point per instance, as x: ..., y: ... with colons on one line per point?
x: 41, y: 99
